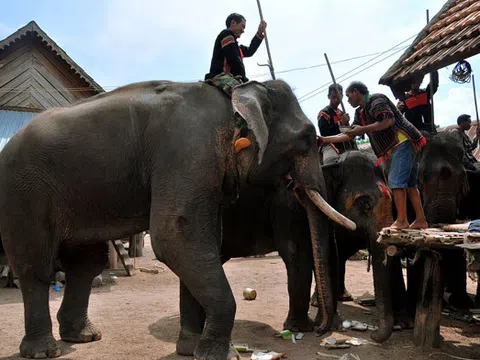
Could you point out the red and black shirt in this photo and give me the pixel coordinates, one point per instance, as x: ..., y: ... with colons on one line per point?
x: 418, y: 107
x: 329, y: 121
x: 228, y: 55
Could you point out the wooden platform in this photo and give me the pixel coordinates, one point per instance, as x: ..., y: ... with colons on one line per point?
x: 426, y: 242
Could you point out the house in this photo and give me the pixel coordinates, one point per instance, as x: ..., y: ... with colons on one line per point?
x: 36, y: 74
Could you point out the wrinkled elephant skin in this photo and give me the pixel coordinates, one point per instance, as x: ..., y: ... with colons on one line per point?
x: 155, y: 155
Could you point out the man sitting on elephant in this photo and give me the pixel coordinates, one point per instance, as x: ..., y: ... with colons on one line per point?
x: 464, y: 124
x: 227, y: 69
x: 392, y: 137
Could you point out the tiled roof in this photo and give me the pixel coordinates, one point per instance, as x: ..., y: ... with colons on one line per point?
x: 452, y: 35
x: 33, y: 28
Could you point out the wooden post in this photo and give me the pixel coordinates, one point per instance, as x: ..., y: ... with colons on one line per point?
x: 429, y: 304
x: 475, y: 97
x: 112, y: 256
x: 270, y: 63
x: 334, y: 82
x: 432, y: 112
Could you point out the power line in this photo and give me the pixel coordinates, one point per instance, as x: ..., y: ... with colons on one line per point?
x: 301, y: 98
x: 358, y: 72
x: 321, y: 65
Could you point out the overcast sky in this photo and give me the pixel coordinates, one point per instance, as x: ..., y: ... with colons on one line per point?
x: 123, y: 41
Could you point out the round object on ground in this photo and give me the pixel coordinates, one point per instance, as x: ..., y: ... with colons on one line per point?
x: 97, y: 281
x: 249, y: 294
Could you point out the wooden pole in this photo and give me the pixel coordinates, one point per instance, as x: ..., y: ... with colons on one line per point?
x: 270, y: 63
x: 334, y: 82
x: 475, y: 98
x: 432, y: 112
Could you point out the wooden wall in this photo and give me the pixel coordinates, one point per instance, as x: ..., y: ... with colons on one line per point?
x: 33, y: 77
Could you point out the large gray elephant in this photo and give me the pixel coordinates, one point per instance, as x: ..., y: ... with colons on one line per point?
x: 277, y: 221
x: 155, y: 155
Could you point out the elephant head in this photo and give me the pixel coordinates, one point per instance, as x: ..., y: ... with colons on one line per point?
x: 357, y: 189
x: 442, y: 178
x: 284, y: 143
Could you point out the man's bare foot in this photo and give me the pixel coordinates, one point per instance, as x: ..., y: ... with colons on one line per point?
x: 400, y: 225
x: 423, y: 224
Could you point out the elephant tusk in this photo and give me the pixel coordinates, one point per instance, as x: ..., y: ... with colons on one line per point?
x: 333, y: 214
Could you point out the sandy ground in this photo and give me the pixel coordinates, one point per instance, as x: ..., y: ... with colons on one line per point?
x: 139, y: 317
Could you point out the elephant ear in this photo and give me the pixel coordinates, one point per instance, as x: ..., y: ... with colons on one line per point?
x: 251, y: 102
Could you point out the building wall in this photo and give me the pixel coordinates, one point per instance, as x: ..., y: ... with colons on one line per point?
x: 33, y: 77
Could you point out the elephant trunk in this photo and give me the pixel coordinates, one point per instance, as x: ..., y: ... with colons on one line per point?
x: 441, y: 208
x: 321, y: 249
x: 309, y: 188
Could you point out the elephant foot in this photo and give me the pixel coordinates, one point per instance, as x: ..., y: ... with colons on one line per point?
x: 187, y: 342
x: 346, y: 296
x: 208, y: 349
x: 314, y: 299
x: 384, y: 331
x: 303, y: 324
x: 41, y: 348
x: 79, y: 334
x: 461, y: 301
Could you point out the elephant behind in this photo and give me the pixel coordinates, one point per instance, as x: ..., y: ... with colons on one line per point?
x: 266, y: 219
x: 155, y: 155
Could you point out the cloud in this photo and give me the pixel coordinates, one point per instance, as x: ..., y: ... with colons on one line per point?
x: 459, y: 100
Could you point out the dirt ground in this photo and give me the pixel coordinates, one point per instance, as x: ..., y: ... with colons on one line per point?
x: 139, y: 317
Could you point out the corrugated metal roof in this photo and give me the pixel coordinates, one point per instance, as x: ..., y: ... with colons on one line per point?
x: 11, y: 122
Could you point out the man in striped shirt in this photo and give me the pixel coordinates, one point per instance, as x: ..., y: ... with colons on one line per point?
x: 392, y: 138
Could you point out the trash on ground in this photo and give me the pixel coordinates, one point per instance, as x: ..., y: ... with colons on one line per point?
x: 243, y: 348
x: 337, y: 346
x: 147, y: 270
x: 333, y: 343
x: 266, y: 355
x: 355, y: 341
x: 249, y: 294
x: 346, y: 324
x: 367, y: 301
x: 299, y: 336
x: 397, y: 327
x: 347, y: 356
x: 284, y: 334
x: 359, y: 326
x: 233, y: 353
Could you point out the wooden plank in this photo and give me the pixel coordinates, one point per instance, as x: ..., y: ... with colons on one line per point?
x: 426, y: 333
x: 43, y: 97
x: 47, y: 91
x: 21, y: 97
x: 112, y: 256
x: 126, y: 261
x: 20, y: 83
x: 50, y: 80
x: 7, y: 80
x: 9, y: 63
x: 65, y: 75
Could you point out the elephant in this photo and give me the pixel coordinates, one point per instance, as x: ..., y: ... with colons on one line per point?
x: 356, y: 188
x: 155, y: 155
x: 444, y: 186
x: 279, y: 222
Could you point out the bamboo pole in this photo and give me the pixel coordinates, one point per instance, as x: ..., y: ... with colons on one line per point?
x: 432, y: 112
x: 475, y: 98
x: 270, y: 63
x: 334, y: 82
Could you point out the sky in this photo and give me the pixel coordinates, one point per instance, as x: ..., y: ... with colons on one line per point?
x: 123, y: 41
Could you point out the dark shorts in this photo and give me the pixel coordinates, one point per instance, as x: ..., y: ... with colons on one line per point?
x: 403, y: 173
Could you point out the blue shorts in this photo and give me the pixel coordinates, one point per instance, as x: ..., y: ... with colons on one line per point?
x: 403, y: 173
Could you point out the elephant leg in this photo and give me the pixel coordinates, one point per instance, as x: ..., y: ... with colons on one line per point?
x: 414, y: 280
x: 383, y: 293
x: 345, y: 251
x: 189, y: 244
x: 81, y: 263
x: 192, y: 321
x: 455, y: 270
x: 399, y: 295
x: 34, y: 274
x: 299, y: 272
